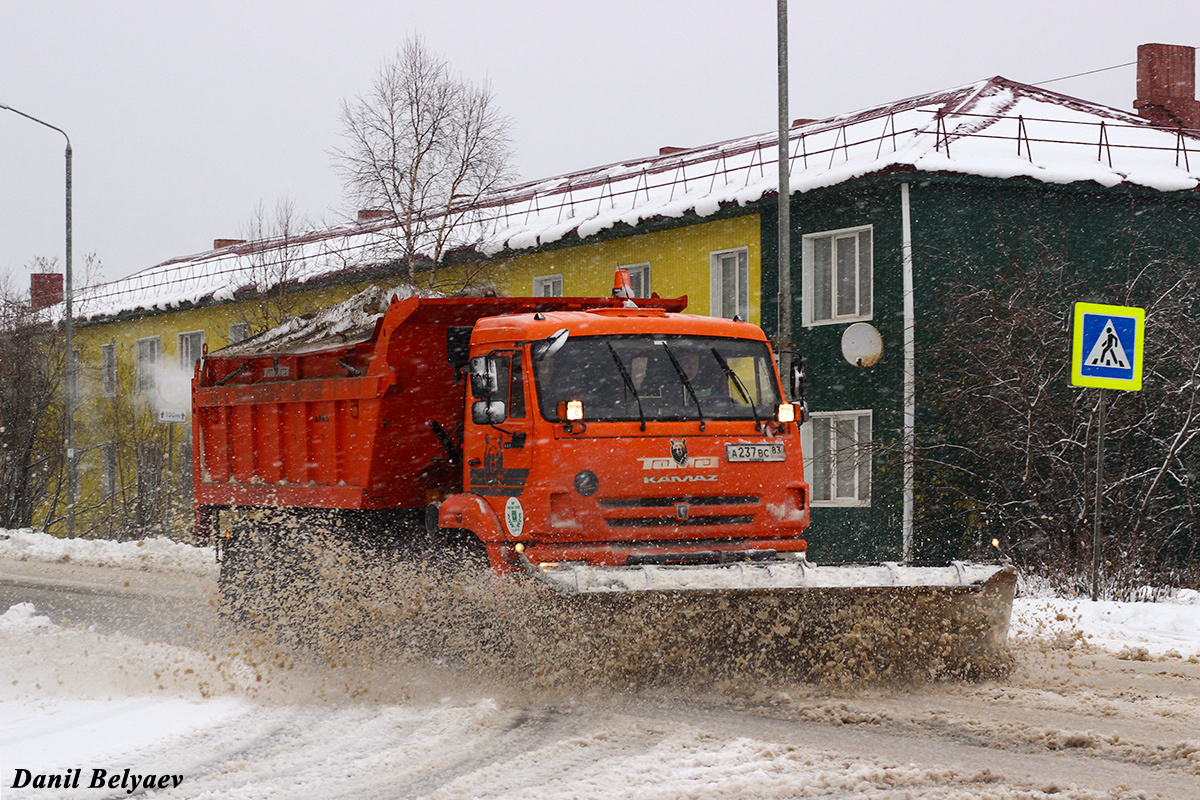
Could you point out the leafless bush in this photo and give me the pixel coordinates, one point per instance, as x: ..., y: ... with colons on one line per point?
x: 1009, y: 451
x: 31, y: 433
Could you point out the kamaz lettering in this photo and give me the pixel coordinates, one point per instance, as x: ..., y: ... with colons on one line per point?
x: 678, y: 478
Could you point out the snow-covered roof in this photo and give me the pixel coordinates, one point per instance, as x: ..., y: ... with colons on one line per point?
x: 996, y: 128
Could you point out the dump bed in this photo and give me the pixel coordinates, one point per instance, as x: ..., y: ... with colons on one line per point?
x: 362, y: 416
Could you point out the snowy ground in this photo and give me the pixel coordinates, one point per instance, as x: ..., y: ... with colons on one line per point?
x: 73, y: 697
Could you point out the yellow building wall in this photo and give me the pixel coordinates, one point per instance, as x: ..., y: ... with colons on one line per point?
x: 679, y: 263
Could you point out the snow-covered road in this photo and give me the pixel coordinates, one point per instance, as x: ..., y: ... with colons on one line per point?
x: 1104, y: 702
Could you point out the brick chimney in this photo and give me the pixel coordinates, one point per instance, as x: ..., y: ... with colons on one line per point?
x: 45, y: 290
x: 368, y: 214
x: 219, y: 243
x: 1166, y: 85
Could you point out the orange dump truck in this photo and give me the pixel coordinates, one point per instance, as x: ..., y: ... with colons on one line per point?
x: 594, y: 444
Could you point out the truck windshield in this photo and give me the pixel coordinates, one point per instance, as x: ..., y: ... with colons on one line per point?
x: 665, y: 378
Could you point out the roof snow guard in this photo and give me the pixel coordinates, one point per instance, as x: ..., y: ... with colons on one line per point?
x: 996, y: 128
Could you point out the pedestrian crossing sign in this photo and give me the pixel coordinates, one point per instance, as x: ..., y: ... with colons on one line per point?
x: 1107, y: 353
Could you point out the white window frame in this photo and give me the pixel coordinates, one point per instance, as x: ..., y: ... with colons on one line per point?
x: 147, y: 353
x: 108, y: 369
x: 847, y: 484
x: 719, y: 280
x: 639, y: 277
x: 238, y: 332
x: 189, y: 346
x: 843, y: 306
x: 552, y: 282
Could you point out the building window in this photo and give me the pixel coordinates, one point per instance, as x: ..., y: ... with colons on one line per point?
x: 838, y: 282
x: 239, y: 331
x: 840, y: 458
x: 108, y: 369
x: 146, y: 363
x: 639, y: 278
x: 548, y: 286
x: 191, y: 347
x: 108, y: 469
x: 729, y: 284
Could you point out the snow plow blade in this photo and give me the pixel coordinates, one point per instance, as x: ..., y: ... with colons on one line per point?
x: 843, y: 622
x: 782, y: 574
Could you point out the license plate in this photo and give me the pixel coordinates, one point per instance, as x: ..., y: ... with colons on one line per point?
x: 754, y: 452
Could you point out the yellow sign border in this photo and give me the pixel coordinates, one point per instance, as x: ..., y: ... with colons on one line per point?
x: 1077, y: 355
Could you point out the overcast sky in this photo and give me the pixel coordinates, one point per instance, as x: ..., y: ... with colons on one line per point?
x: 185, y: 116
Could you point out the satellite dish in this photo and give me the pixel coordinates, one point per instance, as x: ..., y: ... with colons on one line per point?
x: 862, y: 345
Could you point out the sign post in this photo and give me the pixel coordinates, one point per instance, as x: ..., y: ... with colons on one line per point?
x: 170, y: 417
x: 1106, y: 354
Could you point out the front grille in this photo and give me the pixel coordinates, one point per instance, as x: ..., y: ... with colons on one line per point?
x: 671, y: 502
x: 672, y: 522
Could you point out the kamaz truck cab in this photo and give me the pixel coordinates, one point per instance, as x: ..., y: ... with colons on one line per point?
x: 627, y: 436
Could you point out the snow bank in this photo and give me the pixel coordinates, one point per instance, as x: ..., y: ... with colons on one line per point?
x: 1132, y: 630
x: 73, y: 698
x: 157, y: 553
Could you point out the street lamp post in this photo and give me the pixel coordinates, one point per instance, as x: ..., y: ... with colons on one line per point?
x: 69, y: 324
x: 783, y: 332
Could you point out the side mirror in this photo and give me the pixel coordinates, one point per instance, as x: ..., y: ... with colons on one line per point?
x: 799, y: 383
x: 550, y: 345
x: 484, y: 380
x: 488, y: 412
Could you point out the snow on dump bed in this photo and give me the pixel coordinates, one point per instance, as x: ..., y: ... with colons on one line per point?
x: 349, y: 322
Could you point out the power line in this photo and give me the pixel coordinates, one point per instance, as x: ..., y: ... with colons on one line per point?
x: 1092, y: 72
x: 1105, y: 69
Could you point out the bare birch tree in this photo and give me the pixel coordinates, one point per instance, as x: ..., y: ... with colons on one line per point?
x: 424, y: 145
x: 273, y: 266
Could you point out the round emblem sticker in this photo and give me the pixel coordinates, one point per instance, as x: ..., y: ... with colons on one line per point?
x: 514, y: 516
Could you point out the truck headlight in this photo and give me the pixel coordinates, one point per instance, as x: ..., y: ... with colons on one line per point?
x: 786, y: 413
x: 574, y: 410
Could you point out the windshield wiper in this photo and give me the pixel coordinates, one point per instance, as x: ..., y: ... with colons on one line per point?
x: 625, y: 376
x: 686, y: 383
x: 741, y: 387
